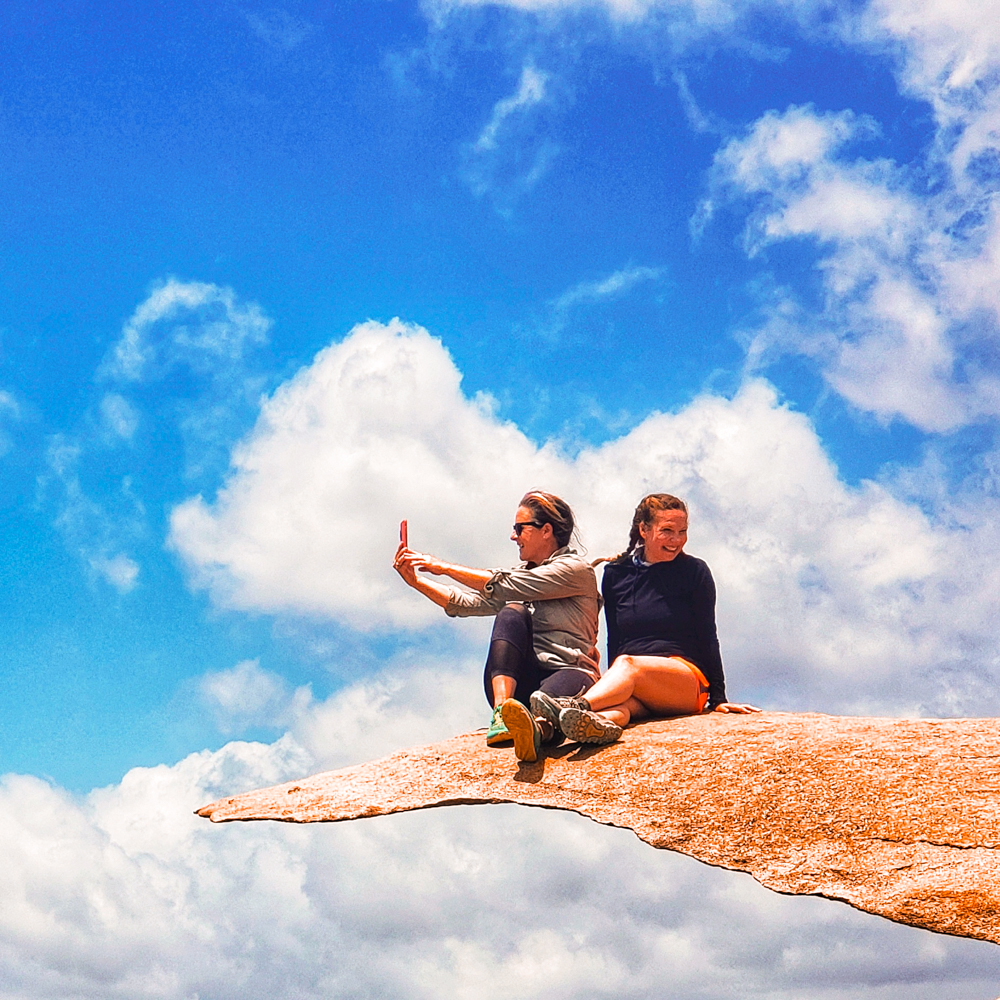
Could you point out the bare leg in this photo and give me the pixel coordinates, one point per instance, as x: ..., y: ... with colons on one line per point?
x: 637, y: 686
x: 503, y: 687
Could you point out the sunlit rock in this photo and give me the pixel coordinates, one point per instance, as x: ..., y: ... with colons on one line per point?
x: 896, y: 817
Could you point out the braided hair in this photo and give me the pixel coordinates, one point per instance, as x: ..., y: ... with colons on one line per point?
x: 648, y: 508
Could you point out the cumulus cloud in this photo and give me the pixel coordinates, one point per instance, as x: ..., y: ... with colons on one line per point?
x: 124, y: 893
x: 246, y: 695
x: 831, y: 597
x: 374, y: 430
x: 909, y: 253
x: 907, y: 328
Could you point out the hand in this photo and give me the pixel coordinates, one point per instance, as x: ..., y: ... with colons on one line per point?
x: 404, y: 564
x: 427, y: 564
x: 734, y: 708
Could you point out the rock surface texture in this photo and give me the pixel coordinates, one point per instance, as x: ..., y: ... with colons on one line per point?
x: 899, y: 818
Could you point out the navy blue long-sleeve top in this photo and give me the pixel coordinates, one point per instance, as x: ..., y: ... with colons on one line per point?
x: 664, y: 609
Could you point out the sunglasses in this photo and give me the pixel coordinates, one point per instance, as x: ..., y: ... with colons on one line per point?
x: 519, y: 526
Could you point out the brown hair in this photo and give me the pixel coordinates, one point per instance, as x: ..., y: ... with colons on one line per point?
x: 649, y: 507
x: 547, y: 508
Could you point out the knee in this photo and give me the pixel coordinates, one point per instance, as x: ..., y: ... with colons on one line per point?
x: 625, y: 665
x: 514, y: 612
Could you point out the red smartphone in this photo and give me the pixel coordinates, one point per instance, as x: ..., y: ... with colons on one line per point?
x: 403, y: 535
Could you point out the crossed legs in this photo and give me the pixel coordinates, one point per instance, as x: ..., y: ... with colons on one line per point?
x: 637, y: 686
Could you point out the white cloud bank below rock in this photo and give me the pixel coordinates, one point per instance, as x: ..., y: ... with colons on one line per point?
x: 124, y: 893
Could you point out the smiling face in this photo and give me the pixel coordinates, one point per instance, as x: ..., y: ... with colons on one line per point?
x: 535, y: 544
x: 663, y: 539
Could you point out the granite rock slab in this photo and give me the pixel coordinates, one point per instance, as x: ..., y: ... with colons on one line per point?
x: 900, y: 818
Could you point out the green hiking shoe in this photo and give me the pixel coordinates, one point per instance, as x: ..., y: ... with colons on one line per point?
x: 523, y: 730
x: 497, y: 733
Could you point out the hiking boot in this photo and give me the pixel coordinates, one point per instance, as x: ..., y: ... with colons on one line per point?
x: 546, y: 707
x: 521, y: 725
x: 497, y: 733
x: 588, y: 727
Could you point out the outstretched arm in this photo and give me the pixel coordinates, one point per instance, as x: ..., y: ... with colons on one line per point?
x: 403, y: 564
x: 408, y: 562
x: 474, y: 579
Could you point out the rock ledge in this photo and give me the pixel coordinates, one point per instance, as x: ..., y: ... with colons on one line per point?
x: 896, y: 817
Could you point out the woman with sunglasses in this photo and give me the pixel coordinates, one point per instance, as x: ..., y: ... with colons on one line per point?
x: 663, y: 647
x: 546, y: 613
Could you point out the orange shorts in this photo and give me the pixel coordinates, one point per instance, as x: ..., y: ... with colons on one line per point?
x: 700, y: 678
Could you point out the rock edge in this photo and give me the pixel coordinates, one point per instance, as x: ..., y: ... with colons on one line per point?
x: 895, y: 817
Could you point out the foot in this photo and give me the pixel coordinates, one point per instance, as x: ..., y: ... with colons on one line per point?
x: 588, y: 727
x: 520, y: 724
x: 497, y: 732
x: 546, y: 707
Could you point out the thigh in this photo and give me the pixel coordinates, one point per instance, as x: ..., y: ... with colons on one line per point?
x: 665, y: 685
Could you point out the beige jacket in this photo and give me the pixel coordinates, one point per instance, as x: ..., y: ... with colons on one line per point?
x: 561, y: 594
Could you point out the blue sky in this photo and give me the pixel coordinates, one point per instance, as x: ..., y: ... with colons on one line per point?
x: 743, y: 251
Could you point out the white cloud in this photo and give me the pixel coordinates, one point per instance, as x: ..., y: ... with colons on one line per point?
x: 124, y: 893
x: 831, y: 598
x: 192, y: 323
x: 375, y: 430
x: 119, y: 416
x: 909, y: 253
x: 91, y: 532
x: 118, y: 570
x: 530, y: 90
x: 246, y: 695
x: 9, y: 410
x: 203, y: 336
x: 605, y: 288
x: 900, y: 291
x: 509, y: 157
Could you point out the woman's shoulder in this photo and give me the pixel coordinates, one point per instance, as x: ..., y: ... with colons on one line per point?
x: 697, y: 569
x: 569, y: 561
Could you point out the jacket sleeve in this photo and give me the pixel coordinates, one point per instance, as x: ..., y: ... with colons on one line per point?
x: 703, y: 606
x: 470, y: 603
x: 547, y: 582
x: 610, y: 614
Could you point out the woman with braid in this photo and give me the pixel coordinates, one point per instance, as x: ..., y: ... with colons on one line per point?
x: 546, y: 618
x: 663, y: 647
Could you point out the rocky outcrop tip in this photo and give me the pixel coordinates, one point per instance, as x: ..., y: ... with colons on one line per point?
x: 896, y: 817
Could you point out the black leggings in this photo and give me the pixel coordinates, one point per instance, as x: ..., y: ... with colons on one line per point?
x: 513, y: 655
